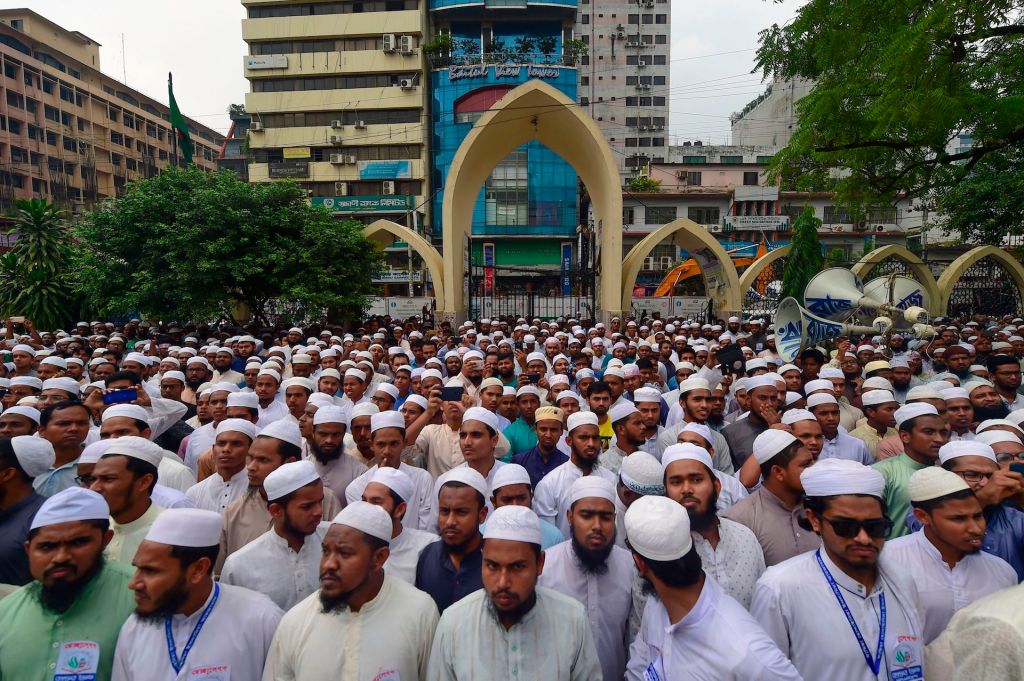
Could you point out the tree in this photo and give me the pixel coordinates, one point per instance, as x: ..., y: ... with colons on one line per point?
x: 895, y: 84
x: 643, y: 183
x: 36, y: 274
x: 984, y: 207
x: 192, y: 245
x: 805, y: 258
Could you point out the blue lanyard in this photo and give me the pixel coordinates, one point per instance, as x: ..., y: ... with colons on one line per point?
x: 873, y: 664
x: 172, y: 649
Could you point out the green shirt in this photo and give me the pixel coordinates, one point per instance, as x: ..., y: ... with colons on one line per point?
x: 897, y: 471
x: 32, y: 637
x: 521, y: 436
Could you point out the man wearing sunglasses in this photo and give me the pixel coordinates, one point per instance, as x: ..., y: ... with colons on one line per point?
x: 840, y: 613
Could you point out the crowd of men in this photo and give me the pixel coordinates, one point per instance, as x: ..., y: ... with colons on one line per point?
x: 510, y: 500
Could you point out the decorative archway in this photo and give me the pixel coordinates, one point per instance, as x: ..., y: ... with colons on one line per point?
x: 720, y: 279
x: 757, y: 298
x: 947, y: 282
x: 922, y: 274
x: 533, y: 111
x: 386, y: 232
x: 751, y: 274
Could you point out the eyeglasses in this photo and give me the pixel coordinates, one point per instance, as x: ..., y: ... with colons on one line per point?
x: 84, y: 480
x: 973, y: 476
x: 1009, y: 458
x: 877, y: 528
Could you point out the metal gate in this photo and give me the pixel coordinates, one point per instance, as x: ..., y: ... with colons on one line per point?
x: 984, y: 288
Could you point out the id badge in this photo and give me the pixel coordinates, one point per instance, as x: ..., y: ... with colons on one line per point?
x: 654, y: 671
x: 77, y: 661
x: 216, y: 672
x: 906, y: 663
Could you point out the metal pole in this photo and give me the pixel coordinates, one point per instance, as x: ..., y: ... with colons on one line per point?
x: 174, y: 133
x: 411, y: 221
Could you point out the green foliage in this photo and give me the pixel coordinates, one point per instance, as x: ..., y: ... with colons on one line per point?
x: 36, y: 274
x: 643, y: 183
x: 189, y: 245
x: 546, y: 45
x: 575, y: 50
x: 804, y: 259
x: 895, y: 82
x: 985, y: 207
x: 441, y: 44
x: 835, y: 258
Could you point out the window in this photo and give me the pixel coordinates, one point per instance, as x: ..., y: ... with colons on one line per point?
x: 750, y: 178
x: 70, y: 144
x: 691, y: 160
x: 506, y: 193
x: 585, y: 19
x: 326, y: 83
x: 659, y: 101
x: 659, y: 60
x: 627, y: 215
x: 15, y: 100
x: 661, y: 39
x: 51, y: 137
x: 659, y: 80
x: 14, y: 126
x: 31, y: 105
x: 321, y: 8
x: 647, y: 19
x: 51, y: 113
x: 661, y: 18
x: 693, y: 179
x: 659, y: 215
x: 116, y: 137
x: 834, y: 215
x: 764, y: 159
x: 49, y: 86
x: 703, y: 215
x: 730, y: 159
x: 633, y: 19
x: 631, y: 101
x: 630, y: 80
x: 631, y: 59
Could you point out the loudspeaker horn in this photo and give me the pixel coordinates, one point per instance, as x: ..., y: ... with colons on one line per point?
x: 900, y: 292
x: 796, y: 329
x: 835, y: 294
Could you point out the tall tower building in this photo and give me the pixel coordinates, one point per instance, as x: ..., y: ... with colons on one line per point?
x: 624, y: 79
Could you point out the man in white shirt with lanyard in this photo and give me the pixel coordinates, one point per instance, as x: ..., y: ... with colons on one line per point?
x: 842, y: 613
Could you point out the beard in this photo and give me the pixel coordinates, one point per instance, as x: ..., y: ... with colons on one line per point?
x: 325, y: 457
x: 333, y: 605
x: 594, y: 561
x: 167, y: 605
x: 960, y: 373
x: 476, y: 380
x: 647, y: 587
x: 901, y: 385
x: 716, y: 420
x: 60, y: 596
x: 507, y: 374
x: 702, y: 520
x: 1000, y: 411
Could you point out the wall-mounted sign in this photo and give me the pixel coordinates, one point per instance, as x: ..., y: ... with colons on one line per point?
x: 270, y: 61
x: 364, y: 204
x: 296, y: 152
x: 773, y: 222
x: 384, y: 170
x: 283, y: 169
x: 500, y: 71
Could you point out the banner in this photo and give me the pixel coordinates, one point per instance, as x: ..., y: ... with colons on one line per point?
x: 566, y: 269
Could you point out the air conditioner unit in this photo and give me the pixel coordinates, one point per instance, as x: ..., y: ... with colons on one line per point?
x: 879, y: 228
x: 256, y: 126
x: 620, y: 33
x: 337, y: 124
x: 648, y: 264
x: 335, y: 139
x: 349, y: 159
x: 341, y: 188
x: 648, y: 3
x: 632, y: 44
x: 407, y: 84
x: 645, y: 87
x: 389, y: 42
x: 360, y: 125
x: 681, y: 174
x: 715, y: 228
x: 337, y: 159
x: 659, y: 128
x: 642, y: 63
x: 406, y: 45
x: 387, y: 187
x: 641, y: 127
x: 666, y: 262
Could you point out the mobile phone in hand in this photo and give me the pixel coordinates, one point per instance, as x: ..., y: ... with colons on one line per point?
x: 452, y: 394
x: 121, y: 396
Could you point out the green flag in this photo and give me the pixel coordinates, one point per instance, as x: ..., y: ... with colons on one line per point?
x: 179, y: 125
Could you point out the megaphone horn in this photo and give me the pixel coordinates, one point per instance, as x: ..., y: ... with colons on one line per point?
x: 835, y: 294
x: 796, y: 329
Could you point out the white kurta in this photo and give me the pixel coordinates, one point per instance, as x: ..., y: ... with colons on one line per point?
x: 214, y: 493
x: 552, y: 642
x: 606, y: 598
x: 174, y: 474
x: 405, y: 553
x: 941, y: 590
x: 275, y: 411
x: 417, y: 514
x: 718, y: 639
x: 738, y: 561
x: 236, y: 636
x: 199, y: 440
x: 269, y: 566
x: 127, y: 537
x: 551, y: 498
x: 388, y: 639
x: 798, y: 609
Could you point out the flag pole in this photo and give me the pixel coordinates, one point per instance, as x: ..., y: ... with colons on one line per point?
x: 174, y: 133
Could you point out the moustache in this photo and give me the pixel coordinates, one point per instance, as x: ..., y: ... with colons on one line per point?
x: 60, y: 566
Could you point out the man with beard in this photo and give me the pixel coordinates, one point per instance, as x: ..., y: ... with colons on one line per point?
x: 22, y: 458
x: 125, y: 475
x: 76, y: 604
x: 390, y: 489
x: 695, y: 401
x: 471, y: 375
x: 986, y: 400
x: 729, y: 551
x: 230, y: 479
x: 1006, y: 375
x: 923, y: 432
x: 222, y: 363
x: 295, y: 495
x: 362, y: 623
x: 204, y: 627
x: 327, y: 447
x: 197, y: 372
x: 507, y: 369
x: 475, y: 636
x: 629, y: 428
x: 716, y: 416
x: 359, y: 425
x: 949, y: 568
x: 593, y: 570
x: 958, y: 362
x: 693, y: 626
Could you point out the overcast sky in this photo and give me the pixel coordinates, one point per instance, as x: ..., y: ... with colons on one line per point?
x: 201, y: 42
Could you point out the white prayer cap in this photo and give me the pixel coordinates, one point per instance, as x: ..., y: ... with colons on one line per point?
x: 68, y: 385
x: 431, y: 373
x: 646, y: 395
x: 771, y: 442
x: 831, y: 372
x: 247, y: 400
x: 621, y: 410
x: 224, y: 386
x: 527, y: 390
x: 877, y: 397
x: 592, y: 486
x: 395, y: 480
x: 912, y: 411
x: 1016, y: 417
x: 513, y: 523
x: 286, y: 431
x: 992, y: 437
x: 581, y: 418
x: 684, y: 451
x: 176, y: 375
x: 356, y: 373
x: 991, y: 423
x: 758, y: 363
x: 818, y: 384
x: 247, y: 428
x: 321, y: 400
x: 302, y: 359
x: 535, y: 356
x: 289, y: 477
x: 71, y: 505
x: 784, y: 368
x: 132, y: 411
x: 693, y: 383
x: 630, y: 371
x: 957, y: 394
x: 878, y: 383
x: 833, y: 477
x: 585, y: 373
x: 35, y: 455
x: 364, y: 409
x: 194, y: 527
x: 466, y: 476
x: 137, y: 448
x: 642, y: 474
x: 819, y: 399
x: 928, y: 391
x: 300, y: 381
x: 333, y: 414
x: 958, y: 448
x: 699, y: 429
x: 391, y: 390
x: 793, y: 415
x: 492, y: 382
x: 934, y: 482
x: 22, y: 347
x: 385, y: 419
x: 418, y: 400
x: 27, y: 412
x: 30, y: 381
x: 367, y: 518
x: 558, y: 379
x: 94, y: 452
x: 510, y: 474
x: 792, y: 397
x: 762, y: 381
x: 484, y: 416
x: 614, y: 371
x: 658, y: 528
x: 195, y: 360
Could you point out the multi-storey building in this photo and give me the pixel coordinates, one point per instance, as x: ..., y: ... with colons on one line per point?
x: 69, y: 133
x: 234, y: 153
x: 624, y: 78
x: 337, y: 103
x: 770, y: 119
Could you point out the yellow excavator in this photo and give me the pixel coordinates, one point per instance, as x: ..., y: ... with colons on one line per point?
x: 689, y: 268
